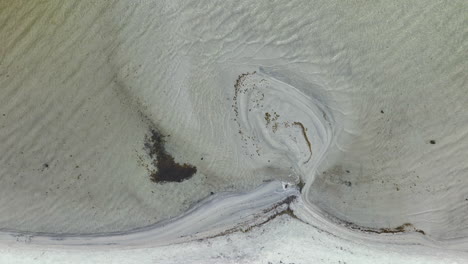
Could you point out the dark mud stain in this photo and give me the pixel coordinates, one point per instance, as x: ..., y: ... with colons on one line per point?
x: 407, y: 227
x: 240, y: 88
x: 404, y: 228
x: 304, y: 133
x: 267, y: 118
x: 301, y: 185
x: 167, y: 169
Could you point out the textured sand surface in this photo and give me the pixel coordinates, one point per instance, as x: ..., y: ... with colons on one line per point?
x: 284, y: 240
x: 362, y: 106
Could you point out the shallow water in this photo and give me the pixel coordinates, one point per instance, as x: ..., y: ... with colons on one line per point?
x: 361, y: 106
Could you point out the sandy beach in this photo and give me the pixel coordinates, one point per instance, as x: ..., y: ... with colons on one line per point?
x: 161, y: 122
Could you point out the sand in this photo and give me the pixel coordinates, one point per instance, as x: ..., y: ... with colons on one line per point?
x: 360, y: 106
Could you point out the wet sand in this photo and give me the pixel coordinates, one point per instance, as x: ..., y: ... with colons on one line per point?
x: 117, y: 116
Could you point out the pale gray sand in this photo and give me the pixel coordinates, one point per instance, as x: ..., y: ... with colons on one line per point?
x: 284, y: 240
x: 82, y: 84
x: 402, y: 100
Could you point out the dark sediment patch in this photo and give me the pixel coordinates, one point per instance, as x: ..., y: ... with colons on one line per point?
x: 304, y: 133
x: 167, y: 169
x: 404, y: 228
x: 277, y: 213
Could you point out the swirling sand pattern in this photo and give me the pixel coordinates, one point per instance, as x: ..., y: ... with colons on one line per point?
x: 280, y: 125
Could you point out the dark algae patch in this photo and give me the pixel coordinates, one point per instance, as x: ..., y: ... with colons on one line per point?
x: 404, y: 228
x: 167, y: 169
x: 407, y: 227
x: 304, y: 133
